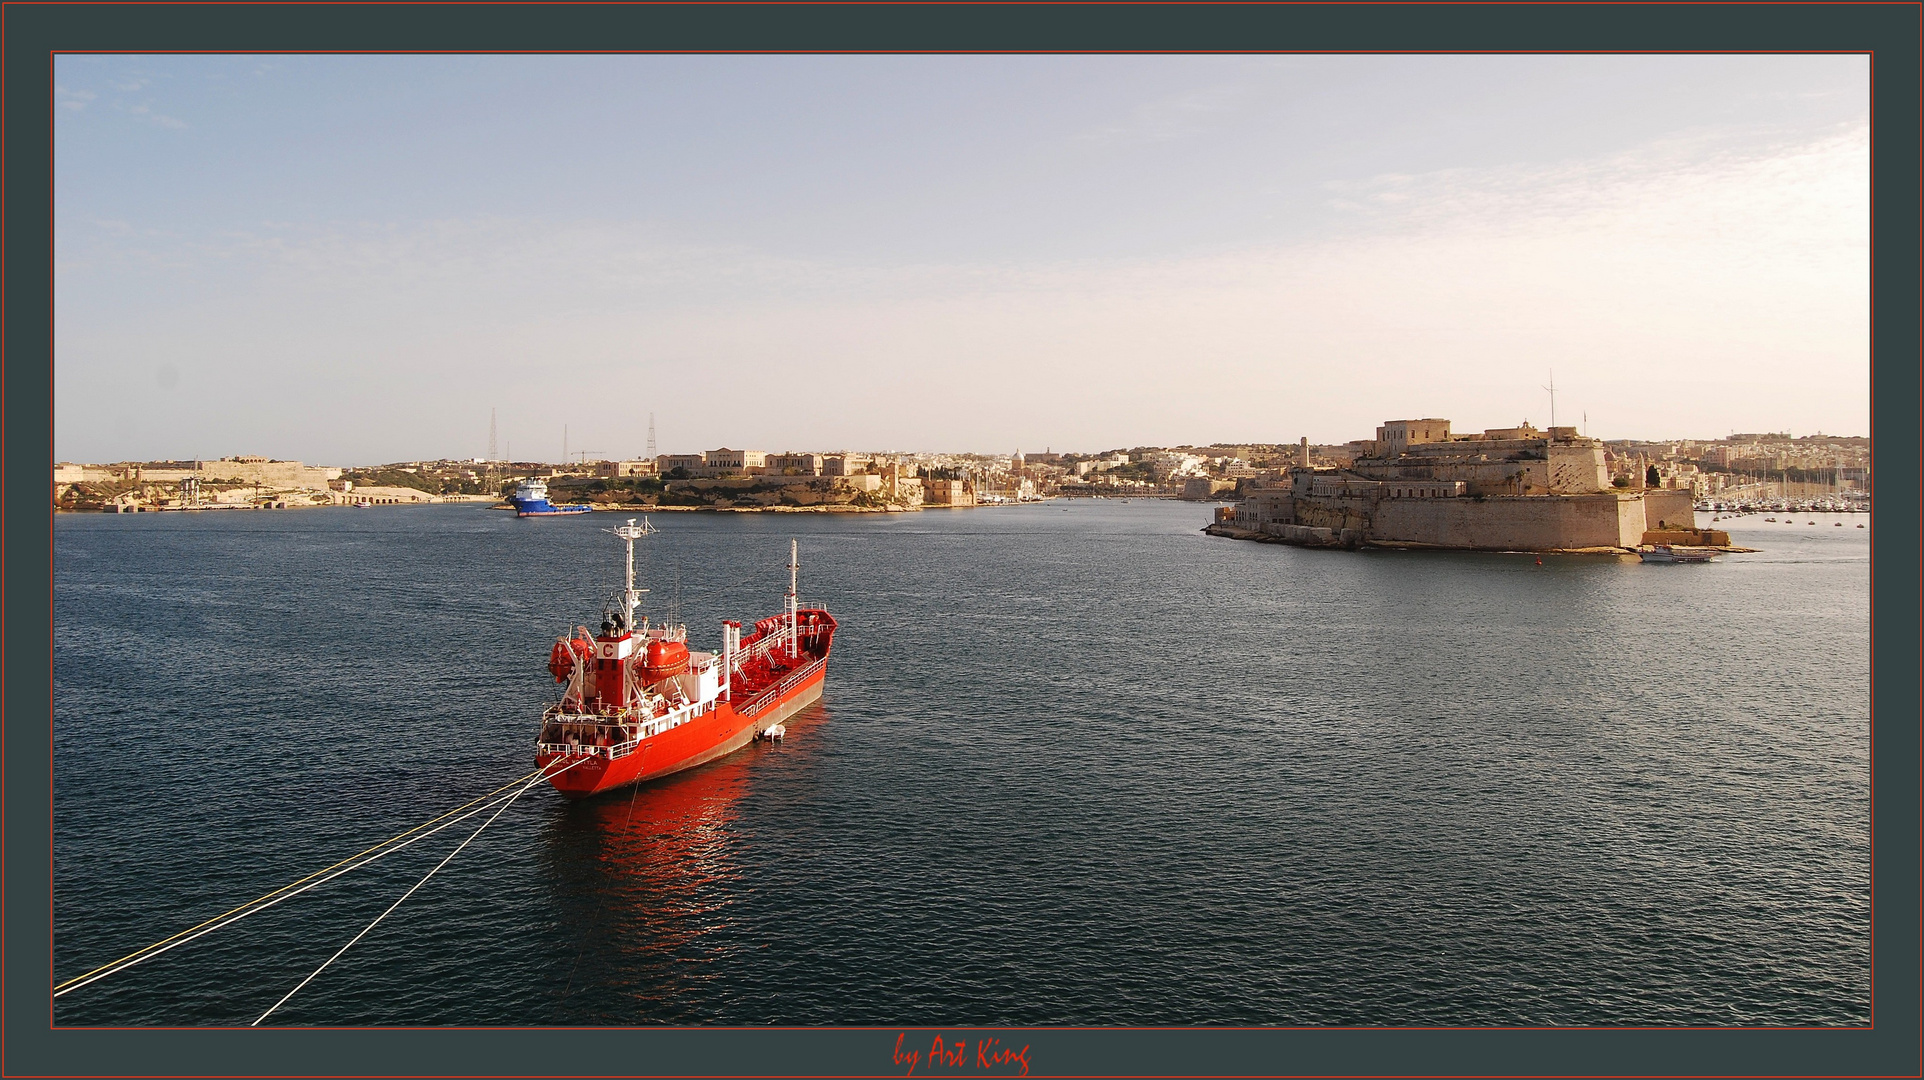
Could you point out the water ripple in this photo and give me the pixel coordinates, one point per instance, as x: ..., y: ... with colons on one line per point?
x: 1081, y: 768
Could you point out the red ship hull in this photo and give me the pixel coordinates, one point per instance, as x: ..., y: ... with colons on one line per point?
x: 718, y: 734
x: 580, y: 772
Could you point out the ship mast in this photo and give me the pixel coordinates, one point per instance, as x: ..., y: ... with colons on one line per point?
x: 794, y: 565
x: 631, y: 596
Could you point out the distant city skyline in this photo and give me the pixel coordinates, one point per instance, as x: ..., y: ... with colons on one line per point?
x: 507, y: 457
x: 355, y: 259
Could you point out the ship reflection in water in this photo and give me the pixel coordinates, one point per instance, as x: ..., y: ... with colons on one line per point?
x: 647, y: 884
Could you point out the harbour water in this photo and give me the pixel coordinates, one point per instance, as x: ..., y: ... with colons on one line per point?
x: 1077, y: 763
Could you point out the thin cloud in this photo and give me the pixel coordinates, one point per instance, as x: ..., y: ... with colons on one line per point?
x: 146, y: 113
x: 72, y: 100
x: 120, y: 95
x: 1804, y: 183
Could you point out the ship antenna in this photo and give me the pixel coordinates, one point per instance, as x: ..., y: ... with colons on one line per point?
x: 629, y: 533
x: 794, y: 566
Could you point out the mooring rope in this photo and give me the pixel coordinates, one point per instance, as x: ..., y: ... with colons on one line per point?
x: 424, y: 880
x: 293, y: 888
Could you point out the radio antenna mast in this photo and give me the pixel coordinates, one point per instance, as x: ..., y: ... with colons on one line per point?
x: 631, y: 596
x: 1553, y: 397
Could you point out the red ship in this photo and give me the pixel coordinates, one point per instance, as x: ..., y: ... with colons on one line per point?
x: 639, y: 704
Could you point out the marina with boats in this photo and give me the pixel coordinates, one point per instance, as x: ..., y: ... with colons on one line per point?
x: 1856, y: 502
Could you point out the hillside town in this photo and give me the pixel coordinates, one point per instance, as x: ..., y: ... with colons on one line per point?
x: 723, y: 478
x: 1746, y: 467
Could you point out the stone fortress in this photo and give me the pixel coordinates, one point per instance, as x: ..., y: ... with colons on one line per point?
x: 245, y: 469
x: 1419, y: 485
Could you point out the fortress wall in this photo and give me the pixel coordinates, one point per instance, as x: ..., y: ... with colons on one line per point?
x: 1539, y: 522
x: 1527, y: 524
x: 275, y: 474
x: 1499, y: 477
x: 311, y: 477
x: 1674, y: 507
x: 1632, y: 518
x: 1577, y: 469
x: 1264, y: 505
x: 1338, y: 512
x: 1303, y: 534
x: 379, y: 495
x: 1560, y: 468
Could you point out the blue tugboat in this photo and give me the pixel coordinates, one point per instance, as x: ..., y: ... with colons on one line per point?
x: 530, y: 499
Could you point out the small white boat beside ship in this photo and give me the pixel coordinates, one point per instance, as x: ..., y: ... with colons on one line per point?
x: 1670, y: 553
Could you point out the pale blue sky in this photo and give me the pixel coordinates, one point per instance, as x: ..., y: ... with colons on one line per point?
x: 352, y: 259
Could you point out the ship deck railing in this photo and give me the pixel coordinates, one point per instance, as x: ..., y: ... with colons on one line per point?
x: 651, y: 727
x: 568, y: 749
x: 676, y: 717
x: 776, y: 639
x: 763, y: 646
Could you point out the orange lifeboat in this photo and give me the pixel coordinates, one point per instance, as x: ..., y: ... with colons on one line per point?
x: 561, y: 660
x: 663, y: 659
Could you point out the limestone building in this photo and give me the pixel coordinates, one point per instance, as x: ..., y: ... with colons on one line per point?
x: 617, y: 469
x: 795, y: 464
x: 726, y: 462
x: 948, y: 493
x: 844, y: 464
